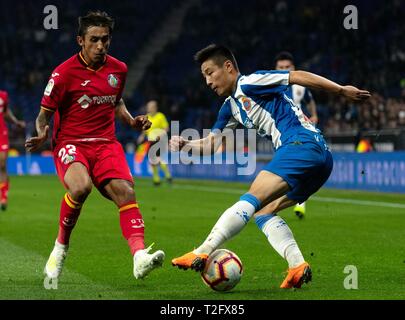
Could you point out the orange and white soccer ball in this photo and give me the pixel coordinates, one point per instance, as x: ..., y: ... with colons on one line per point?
x: 223, y: 270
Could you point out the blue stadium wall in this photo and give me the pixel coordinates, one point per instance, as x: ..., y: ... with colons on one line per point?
x: 384, y: 172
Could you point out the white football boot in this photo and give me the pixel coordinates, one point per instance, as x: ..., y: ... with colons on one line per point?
x: 54, y: 265
x: 145, y: 262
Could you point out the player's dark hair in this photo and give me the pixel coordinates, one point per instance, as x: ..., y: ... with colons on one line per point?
x: 95, y: 19
x: 284, y: 55
x: 218, y: 53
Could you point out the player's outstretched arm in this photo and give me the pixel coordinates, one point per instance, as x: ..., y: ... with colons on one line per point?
x: 313, y: 81
x: 42, y: 126
x: 138, y: 122
x: 11, y: 117
x: 206, y: 146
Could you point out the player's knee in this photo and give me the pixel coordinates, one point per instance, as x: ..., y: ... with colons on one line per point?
x: 127, y: 193
x: 80, y: 192
x: 123, y: 193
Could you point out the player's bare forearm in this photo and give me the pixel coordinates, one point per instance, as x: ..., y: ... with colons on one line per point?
x: 122, y: 113
x: 202, y: 146
x: 138, y: 122
x: 206, y: 146
x: 42, y: 126
x: 43, y: 120
x: 11, y: 117
x: 314, y: 81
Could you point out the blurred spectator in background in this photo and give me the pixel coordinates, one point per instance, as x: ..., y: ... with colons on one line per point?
x: 159, y: 128
x: 5, y: 115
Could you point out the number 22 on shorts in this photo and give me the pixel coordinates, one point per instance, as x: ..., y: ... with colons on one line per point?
x: 67, y: 154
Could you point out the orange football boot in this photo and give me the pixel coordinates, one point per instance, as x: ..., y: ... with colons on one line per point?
x: 191, y: 261
x: 297, y: 276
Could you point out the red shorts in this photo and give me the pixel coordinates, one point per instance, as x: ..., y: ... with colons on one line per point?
x: 104, y: 160
x: 4, y: 140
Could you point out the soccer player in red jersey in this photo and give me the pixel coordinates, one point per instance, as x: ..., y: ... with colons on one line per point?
x: 5, y: 114
x: 84, y: 95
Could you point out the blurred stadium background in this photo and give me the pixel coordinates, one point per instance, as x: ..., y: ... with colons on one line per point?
x: 157, y: 40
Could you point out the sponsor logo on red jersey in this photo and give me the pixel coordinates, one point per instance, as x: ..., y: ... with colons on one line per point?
x: 85, y: 101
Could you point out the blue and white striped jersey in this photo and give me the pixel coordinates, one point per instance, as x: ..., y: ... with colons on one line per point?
x: 260, y: 102
x: 301, y: 96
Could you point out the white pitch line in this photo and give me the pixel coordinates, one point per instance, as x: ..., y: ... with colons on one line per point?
x: 314, y: 198
x: 360, y: 202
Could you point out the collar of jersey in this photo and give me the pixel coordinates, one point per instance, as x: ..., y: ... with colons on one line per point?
x: 85, y: 64
x: 236, y: 88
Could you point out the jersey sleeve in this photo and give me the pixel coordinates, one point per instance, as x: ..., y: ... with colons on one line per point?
x: 6, y: 102
x: 225, y: 119
x: 265, y: 82
x: 54, y: 91
x: 307, y: 96
x: 123, y: 81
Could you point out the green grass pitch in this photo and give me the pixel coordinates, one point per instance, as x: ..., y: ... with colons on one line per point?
x: 366, y: 231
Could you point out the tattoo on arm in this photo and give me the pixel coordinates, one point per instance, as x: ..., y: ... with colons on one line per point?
x: 43, y: 119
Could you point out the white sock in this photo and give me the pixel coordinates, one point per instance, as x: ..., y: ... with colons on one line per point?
x: 231, y: 222
x: 281, y: 238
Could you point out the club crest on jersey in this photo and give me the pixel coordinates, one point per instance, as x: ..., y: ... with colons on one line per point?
x: 247, y: 105
x: 112, y: 80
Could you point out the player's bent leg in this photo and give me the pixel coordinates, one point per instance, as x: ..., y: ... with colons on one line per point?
x: 133, y: 228
x: 231, y: 222
x: 4, y: 184
x: 155, y: 174
x: 266, y: 186
x: 78, y: 182
x: 166, y: 171
x: 276, y: 206
x: 79, y: 185
x: 282, y: 240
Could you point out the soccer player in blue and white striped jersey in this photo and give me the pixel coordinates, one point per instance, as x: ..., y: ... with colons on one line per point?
x: 301, y: 164
x: 303, y: 98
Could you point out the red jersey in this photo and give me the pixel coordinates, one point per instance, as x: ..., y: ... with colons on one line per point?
x: 84, y: 99
x: 3, y: 109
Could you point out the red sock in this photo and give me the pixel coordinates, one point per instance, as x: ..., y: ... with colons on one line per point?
x: 132, y: 226
x: 4, y: 191
x: 69, y: 213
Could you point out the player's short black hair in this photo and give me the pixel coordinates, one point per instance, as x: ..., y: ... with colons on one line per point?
x: 284, y: 55
x: 95, y: 19
x: 218, y: 53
